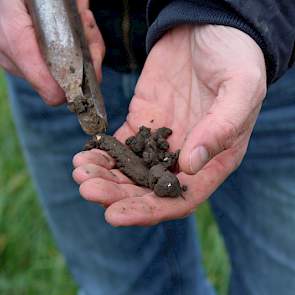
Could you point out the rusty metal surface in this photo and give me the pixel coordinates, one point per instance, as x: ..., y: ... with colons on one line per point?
x: 63, y: 44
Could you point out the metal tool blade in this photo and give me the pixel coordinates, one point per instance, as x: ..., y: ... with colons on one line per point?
x: 64, y: 46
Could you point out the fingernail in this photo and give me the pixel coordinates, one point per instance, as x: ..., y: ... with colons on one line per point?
x: 198, y: 158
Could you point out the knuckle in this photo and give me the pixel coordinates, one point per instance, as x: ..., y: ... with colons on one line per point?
x: 88, y: 19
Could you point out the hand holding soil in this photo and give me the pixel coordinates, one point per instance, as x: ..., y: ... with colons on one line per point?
x: 206, y: 83
x: 144, y: 158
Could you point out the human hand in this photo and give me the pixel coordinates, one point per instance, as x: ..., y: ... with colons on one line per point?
x: 20, y: 54
x: 207, y: 84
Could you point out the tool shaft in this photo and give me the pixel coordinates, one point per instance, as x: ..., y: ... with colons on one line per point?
x: 65, y: 49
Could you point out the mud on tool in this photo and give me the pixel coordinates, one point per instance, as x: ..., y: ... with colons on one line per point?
x: 65, y: 49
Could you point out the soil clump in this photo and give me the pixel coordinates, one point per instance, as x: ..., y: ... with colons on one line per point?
x: 144, y: 158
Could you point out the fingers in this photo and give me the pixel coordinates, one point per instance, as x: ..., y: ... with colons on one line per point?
x: 96, y: 157
x: 128, y: 204
x: 19, y: 45
x: 150, y: 209
x: 88, y: 171
x: 9, y: 66
x: 99, y: 182
x: 94, y: 39
x: 147, y: 210
x: 28, y: 58
x: 20, y: 53
x: 106, y: 192
x: 230, y: 120
x: 82, y: 5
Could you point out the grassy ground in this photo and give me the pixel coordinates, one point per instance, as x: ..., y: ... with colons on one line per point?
x: 29, y: 261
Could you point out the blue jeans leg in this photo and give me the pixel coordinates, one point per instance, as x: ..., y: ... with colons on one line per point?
x: 255, y: 207
x: 163, y: 259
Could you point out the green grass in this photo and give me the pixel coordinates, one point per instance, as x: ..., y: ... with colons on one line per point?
x: 29, y: 261
x: 214, y: 256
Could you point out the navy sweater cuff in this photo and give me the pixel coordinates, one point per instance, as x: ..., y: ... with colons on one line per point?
x: 179, y: 12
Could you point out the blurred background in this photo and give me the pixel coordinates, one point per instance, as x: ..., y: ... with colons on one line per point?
x: 29, y: 260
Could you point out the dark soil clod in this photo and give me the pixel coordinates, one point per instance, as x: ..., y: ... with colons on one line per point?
x: 145, y: 159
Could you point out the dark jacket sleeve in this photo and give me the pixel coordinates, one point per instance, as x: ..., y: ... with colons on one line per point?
x: 271, y: 23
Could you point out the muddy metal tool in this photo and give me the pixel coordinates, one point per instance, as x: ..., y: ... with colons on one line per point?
x: 65, y: 49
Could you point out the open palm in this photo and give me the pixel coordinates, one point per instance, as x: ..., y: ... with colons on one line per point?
x: 207, y: 84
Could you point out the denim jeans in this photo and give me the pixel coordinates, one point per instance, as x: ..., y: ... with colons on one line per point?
x: 254, y: 208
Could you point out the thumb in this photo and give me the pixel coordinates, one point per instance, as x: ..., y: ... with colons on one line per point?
x: 228, y: 122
